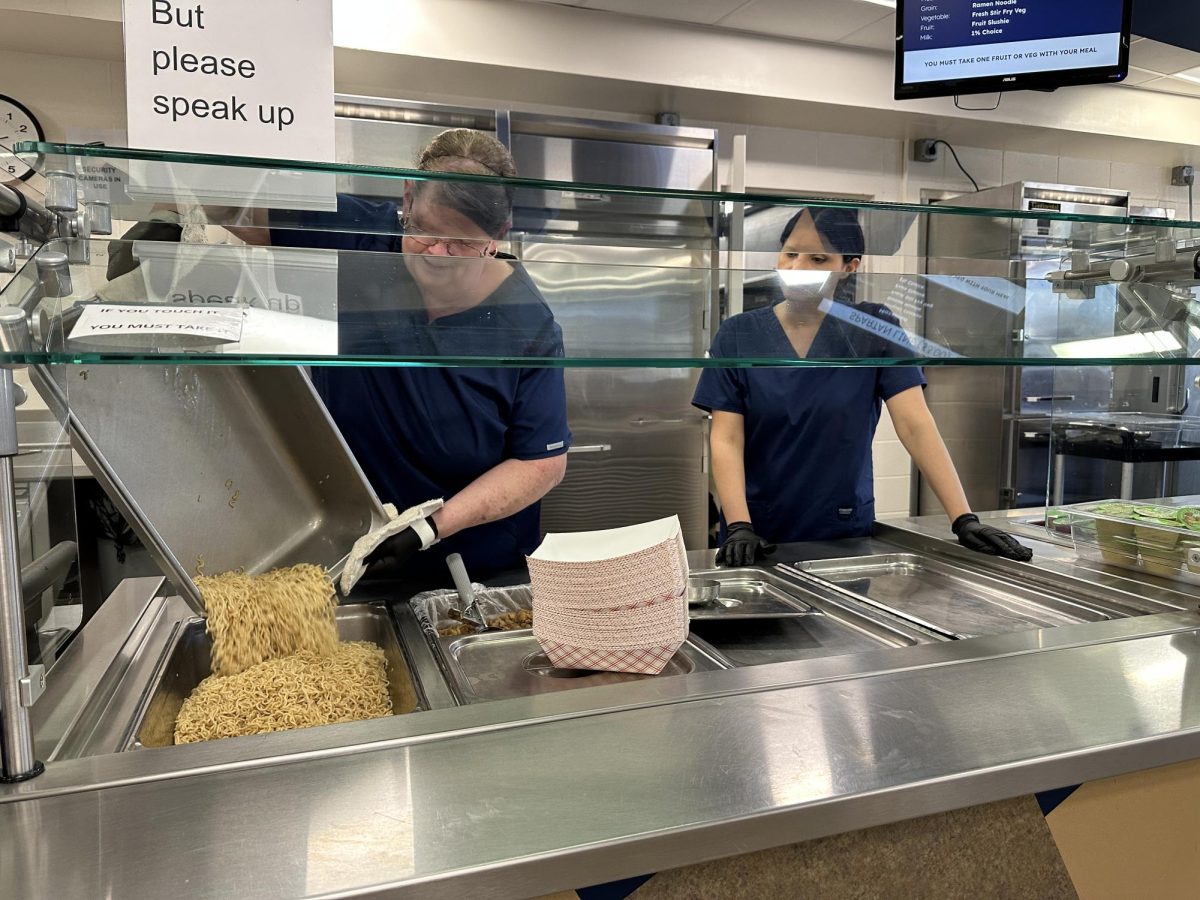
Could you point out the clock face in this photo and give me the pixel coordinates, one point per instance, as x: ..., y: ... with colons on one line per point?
x: 17, y: 124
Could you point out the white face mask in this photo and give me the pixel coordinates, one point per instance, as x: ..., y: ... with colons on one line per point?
x: 809, y: 284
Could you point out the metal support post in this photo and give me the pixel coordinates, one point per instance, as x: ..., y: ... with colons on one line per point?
x: 1127, y: 481
x: 735, y: 274
x: 1060, y: 479
x: 18, y: 686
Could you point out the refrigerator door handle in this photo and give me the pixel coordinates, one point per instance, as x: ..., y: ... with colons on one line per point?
x: 678, y: 420
x: 590, y: 448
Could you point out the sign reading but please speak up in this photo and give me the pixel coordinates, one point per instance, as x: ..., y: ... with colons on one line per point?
x: 217, y: 77
x: 235, y: 78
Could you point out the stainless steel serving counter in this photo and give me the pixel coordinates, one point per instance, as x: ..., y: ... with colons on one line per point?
x: 526, y: 796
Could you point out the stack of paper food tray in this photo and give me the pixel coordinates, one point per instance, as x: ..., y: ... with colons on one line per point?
x: 611, y: 600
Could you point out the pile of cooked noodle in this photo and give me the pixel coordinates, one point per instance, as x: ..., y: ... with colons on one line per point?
x: 253, y: 618
x: 296, y: 691
x: 276, y: 659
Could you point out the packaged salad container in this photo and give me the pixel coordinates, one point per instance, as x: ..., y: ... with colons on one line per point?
x: 1145, y: 537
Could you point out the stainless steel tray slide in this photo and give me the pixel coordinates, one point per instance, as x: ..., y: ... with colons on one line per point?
x: 189, y: 662
x: 756, y: 642
x: 952, y: 601
x: 749, y: 594
x: 501, y: 665
x: 825, y: 628
x: 222, y: 466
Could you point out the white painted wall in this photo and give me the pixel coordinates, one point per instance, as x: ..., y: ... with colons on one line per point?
x: 593, y: 59
x: 805, y: 161
x: 75, y: 98
x: 686, y: 59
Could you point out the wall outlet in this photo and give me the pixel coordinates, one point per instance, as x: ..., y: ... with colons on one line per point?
x: 1182, y: 176
x: 925, y: 150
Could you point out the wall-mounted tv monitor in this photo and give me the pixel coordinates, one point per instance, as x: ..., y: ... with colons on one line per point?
x: 950, y: 47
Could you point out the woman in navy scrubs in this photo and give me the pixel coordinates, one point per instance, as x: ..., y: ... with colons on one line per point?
x: 490, y: 440
x: 791, y: 447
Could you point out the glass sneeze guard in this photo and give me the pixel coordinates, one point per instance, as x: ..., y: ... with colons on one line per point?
x: 227, y: 260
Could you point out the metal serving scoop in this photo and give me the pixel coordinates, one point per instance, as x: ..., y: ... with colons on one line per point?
x: 701, y: 591
x: 466, y: 595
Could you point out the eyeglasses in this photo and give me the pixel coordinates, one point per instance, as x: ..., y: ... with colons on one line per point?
x: 454, y: 246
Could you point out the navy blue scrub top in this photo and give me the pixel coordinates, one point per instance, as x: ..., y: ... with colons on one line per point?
x: 426, y: 432
x: 809, y: 472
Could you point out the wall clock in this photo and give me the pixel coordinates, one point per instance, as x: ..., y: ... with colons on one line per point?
x: 17, y: 124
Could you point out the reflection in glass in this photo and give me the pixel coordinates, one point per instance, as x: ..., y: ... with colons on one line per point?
x: 47, y: 537
x: 1069, y: 277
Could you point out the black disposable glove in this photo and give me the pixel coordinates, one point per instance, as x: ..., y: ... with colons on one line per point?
x: 742, y: 546
x: 974, y: 535
x: 393, y: 553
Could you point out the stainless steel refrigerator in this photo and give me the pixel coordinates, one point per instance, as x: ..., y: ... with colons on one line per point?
x: 1005, y: 457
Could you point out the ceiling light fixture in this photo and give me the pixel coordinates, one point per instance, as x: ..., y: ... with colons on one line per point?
x: 1192, y: 75
x: 1122, y: 346
x: 890, y: 4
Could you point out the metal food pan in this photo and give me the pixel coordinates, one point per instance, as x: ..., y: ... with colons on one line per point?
x: 956, y: 602
x: 510, y: 663
x: 507, y: 664
x: 225, y: 467
x: 190, y: 661
x: 745, y: 593
x: 432, y: 608
x: 749, y: 593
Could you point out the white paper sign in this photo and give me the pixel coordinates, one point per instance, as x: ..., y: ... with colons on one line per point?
x: 268, y: 333
x: 117, y: 322
x: 231, y: 77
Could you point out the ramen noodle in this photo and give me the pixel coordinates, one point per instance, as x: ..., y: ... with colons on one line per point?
x: 277, y: 663
x: 296, y: 691
x: 255, y: 618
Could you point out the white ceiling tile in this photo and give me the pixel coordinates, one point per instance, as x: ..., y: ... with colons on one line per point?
x: 1177, y: 86
x: 814, y: 20
x: 1140, y: 76
x: 879, y: 36
x: 1150, y: 85
x: 1162, y: 58
x: 707, y: 12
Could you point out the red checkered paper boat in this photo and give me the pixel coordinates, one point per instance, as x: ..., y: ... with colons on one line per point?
x: 611, y: 600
